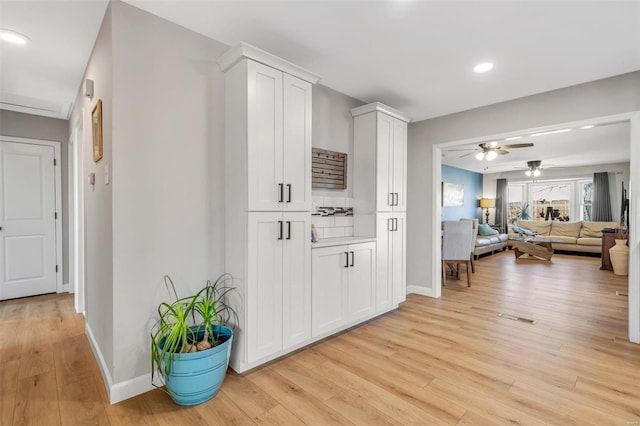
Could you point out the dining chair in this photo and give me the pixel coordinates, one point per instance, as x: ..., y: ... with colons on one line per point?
x: 456, y: 247
x: 474, y: 234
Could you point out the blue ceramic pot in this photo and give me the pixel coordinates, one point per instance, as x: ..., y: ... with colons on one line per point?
x: 196, y: 377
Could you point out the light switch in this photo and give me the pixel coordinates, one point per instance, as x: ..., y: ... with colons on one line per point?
x: 107, y: 177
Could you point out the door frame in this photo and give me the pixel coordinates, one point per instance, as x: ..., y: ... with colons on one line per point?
x: 633, y: 117
x: 76, y: 214
x: 57, y: 173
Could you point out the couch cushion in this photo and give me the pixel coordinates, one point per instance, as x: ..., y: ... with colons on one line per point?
x: 563, y: 239
x: 482, y: 241
x: 594, y: 229
x: 503, y: 237
x: 588, y: 241
x: 542, y: 228
x: 565, y: 229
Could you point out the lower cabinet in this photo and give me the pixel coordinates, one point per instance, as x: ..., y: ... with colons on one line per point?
x: 343, y: 289
x: 278, y: 299
x: 391, y: 260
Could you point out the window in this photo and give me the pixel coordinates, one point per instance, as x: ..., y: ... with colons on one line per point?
x: 586, y: 198
x: 565, y: 200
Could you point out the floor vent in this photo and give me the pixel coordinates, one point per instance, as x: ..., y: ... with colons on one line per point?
x: 622, y: 293
x: 515, y: 318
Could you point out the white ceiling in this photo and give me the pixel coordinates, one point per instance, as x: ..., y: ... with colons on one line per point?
x: 416, y: 56
x: 606, y: 144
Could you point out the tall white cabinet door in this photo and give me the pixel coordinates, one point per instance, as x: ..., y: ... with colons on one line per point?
x: 398, y: 249
x: 264, y: 284
x: 384, y: 186
x: 296, y: 279
x: 384, y: 264
x: 361, y: 286
x: 400, y: 165
x: 264, y: 138
x: 328, y: 297
x: 297, y: 144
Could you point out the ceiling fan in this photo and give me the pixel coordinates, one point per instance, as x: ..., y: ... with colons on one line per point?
x: 491, y: 150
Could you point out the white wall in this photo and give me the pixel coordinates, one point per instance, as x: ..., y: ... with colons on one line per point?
x: 168, y: 173
x: 30, y: 126
x: 333, y: 130
x: 98, y: 201
x: 600, y: 98
x: 618, y: 173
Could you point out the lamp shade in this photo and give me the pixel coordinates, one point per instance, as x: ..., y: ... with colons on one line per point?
x: 487, y: 203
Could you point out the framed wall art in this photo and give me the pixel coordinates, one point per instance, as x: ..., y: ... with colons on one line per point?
x: 96, y: 131
x: 452, y: 194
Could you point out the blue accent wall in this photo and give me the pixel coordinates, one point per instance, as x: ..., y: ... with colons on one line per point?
x: 472, y: 193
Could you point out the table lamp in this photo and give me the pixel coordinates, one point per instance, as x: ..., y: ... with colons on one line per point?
x: 487, y: 203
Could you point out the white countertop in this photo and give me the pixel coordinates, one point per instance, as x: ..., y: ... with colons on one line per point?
x: 328, y: 242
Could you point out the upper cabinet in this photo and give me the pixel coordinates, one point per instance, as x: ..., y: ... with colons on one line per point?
x: 380, y: 151
x: 268, y: 122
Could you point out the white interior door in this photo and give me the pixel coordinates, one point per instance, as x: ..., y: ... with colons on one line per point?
x: 27, y: 221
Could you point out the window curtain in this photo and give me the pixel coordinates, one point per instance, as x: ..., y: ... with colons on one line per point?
x: 601, y: 203
x: 501, y: 204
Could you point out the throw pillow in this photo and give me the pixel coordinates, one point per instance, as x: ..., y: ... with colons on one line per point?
x: 486, y: 230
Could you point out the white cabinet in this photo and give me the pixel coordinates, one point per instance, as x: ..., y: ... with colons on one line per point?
x: 267, y: 202
x: 380, y: 150
x: 279, y: 282
x: 391, y: 260
x: 343, y: 290
x: 270, y: 112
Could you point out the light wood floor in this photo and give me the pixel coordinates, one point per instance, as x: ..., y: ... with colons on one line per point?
x: 446, y: 361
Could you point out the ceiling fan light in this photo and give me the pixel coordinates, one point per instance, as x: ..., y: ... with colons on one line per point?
x: 528, y: 173
x: 491, y: 155
x: 536, y: 172
x: 480, y: 155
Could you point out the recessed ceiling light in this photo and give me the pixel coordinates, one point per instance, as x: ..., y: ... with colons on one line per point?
x: 551, y: 132
x: 513, y: 138
x: 13, y: 37
x: 588, y: 126
x: 483, y: 67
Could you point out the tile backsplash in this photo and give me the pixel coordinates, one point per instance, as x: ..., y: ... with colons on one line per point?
x: 332, y: 216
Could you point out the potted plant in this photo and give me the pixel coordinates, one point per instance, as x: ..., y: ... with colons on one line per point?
x: 191, y: 342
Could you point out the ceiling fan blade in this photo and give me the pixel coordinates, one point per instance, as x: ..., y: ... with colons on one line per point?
x: 466, y: 155
x: 501, y: 151
x: 516, y: 145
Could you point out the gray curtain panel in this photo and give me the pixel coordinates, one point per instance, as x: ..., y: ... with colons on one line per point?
x: 501, y: 204
x: 601, y: 203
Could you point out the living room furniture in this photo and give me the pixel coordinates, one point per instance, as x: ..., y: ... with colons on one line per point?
x: 609, y: 236
x: 487, y: 203
x: 486, y: 243
x: 534, y: 246
x: 581, y: 236
x: 457, y: 245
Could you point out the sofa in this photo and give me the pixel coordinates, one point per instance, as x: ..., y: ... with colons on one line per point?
x: 583, y: 237
x: 487, y: 240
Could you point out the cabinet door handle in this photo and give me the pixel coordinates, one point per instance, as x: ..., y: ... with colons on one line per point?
x: 346, y: 262
x: 395, y: 221
x: 390, y: 202
x: 280, y: 225
x: 352, y: 258
x: 288, y: 230
x: 289, y: 192
x: 281, y: 190
x: 390, y: 224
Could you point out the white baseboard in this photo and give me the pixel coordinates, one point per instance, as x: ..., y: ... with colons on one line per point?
x: 66, y: 288
x: 130, y: 388
x: 423, y: 291
x: 123, y: 390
